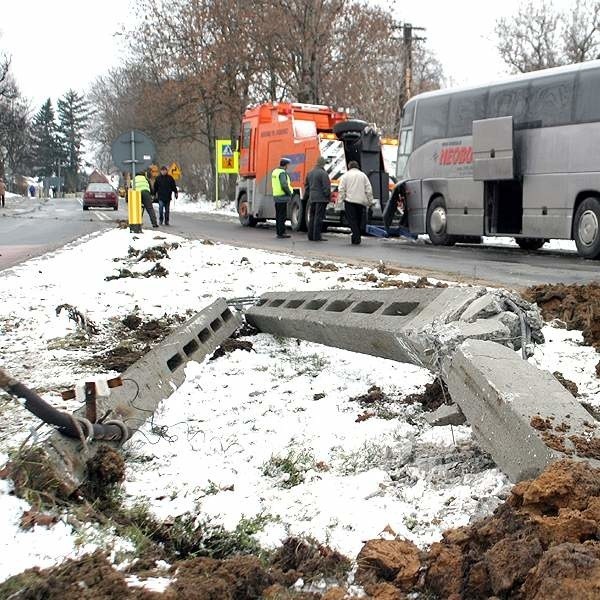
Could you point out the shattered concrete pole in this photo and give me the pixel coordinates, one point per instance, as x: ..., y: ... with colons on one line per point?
x: 418, y: 326
x: 519, y: 414
x: 146, y: 383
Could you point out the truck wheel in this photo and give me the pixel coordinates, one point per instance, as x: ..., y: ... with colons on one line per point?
x: 586, y: 228
x: 298, y: 214
x: 246, y: 219
x: 530, y: 243
x: 437, y: 219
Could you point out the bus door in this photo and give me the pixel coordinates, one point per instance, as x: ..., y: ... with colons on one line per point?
x: 494, y: 165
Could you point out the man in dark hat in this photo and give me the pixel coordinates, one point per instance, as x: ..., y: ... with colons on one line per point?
x: 164, y: 186
x: 281, y: 184
x: 317, y: 191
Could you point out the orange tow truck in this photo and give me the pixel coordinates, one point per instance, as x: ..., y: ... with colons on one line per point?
x: 302, y: 133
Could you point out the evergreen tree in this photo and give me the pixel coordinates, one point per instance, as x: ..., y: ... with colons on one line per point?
x: 45, y: 147
x: 73, y: 115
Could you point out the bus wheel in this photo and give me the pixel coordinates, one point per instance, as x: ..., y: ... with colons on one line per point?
x: 298, y: 214
x: 530, y: 243
x: 246, y: 219
x: 437, y: 219
x: 586, y: 230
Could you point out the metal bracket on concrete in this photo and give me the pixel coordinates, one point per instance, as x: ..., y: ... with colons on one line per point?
x: 146, y: 383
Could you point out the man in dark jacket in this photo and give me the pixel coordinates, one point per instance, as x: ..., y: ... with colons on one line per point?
x: 317, y: 191
x: 164, y: 186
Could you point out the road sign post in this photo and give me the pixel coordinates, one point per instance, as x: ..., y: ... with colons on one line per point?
x: 133, y: 151
x: 227, y: 163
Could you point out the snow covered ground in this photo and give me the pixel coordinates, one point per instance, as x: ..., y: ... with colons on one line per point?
x: 272, y: 433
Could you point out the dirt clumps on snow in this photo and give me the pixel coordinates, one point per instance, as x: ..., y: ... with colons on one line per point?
x: 230, y: 345
x: 320, y: 266
x: 432, y: 397
x: 135, y: 338
x: 421, y: 283
x: 578, y: 306
x: 156, y: 271
x: 87, y: 578
x: 105, y: 471
x: 569, y: 385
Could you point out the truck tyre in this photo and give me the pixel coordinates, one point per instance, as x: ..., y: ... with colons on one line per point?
x: 349, y: 126
x: 246, y: 219
x: 586, y: 228
x: 298, y: 210
x: 530, y: 243
x: 437, y: 218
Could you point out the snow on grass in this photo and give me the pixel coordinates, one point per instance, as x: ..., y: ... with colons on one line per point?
x: 249, y: 435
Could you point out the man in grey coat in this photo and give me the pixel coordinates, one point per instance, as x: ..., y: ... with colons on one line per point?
x: 317, y: 191
x: 356, y: 193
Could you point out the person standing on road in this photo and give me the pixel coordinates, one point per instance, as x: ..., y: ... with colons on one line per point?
x: 317, y: 191
x: 141, y: 184
x: 2, y: 192
x: 282, y: 194
x: 164, y: 186
x: 356, y: 193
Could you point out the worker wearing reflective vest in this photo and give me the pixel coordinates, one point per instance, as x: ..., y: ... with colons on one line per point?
x: 141, y: 184
x: 282, y: 194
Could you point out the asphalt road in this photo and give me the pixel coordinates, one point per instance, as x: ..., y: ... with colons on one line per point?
x: 28, y: 228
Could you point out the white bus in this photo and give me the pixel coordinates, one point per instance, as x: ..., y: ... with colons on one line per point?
x: 518, y: 158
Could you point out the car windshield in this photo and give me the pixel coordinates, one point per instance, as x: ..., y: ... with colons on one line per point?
x: 99, y: 187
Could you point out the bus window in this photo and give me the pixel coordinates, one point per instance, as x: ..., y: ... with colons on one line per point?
x: 408, y: 114
x: 509, y: 101
x: 587, y: 106
x: 404, y: 150
x: 465, y: 108
x: 551, y: 100
x: 432, y: 119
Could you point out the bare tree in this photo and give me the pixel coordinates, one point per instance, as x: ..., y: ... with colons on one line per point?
x: 530, y: 40
x: 582, y: 33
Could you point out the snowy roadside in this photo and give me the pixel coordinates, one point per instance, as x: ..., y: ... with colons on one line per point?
x: 274, y: 434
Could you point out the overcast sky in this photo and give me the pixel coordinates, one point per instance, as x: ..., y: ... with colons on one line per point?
x: 61, y: 44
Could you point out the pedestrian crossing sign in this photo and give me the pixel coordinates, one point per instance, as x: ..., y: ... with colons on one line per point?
x: 227, y: 157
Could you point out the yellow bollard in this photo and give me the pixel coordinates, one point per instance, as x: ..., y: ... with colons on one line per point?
x: 134, y: 206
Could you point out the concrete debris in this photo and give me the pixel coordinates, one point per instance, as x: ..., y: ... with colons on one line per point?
x: 418, y: 326
x: 519, y: 414
x: 447, y: 414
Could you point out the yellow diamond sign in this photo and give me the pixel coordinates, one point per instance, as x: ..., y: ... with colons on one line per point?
x: 174, y: 171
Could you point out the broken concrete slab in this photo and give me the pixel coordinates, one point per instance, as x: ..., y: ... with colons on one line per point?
x: 519, y: 414
x: 146, y: 383
x: 483, y: 307
x: 419, y: 326
x: 446, y: 414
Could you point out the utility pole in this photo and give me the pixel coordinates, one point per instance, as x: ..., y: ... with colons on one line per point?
x: 408, y: 40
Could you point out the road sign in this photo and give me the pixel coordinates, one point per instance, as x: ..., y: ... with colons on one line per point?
x: 227, y: 158
x: 174, y: 171
x: 133, y: 151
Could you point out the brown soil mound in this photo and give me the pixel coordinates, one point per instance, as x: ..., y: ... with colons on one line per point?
x: 309, y: 560
x: 89, y: 578
x: 432, y: 397
x: 534, y: 546
x: 577, y: 305
x: 567, y: 383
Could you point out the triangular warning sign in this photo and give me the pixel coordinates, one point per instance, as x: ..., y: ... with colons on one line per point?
x: 227, y: 151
